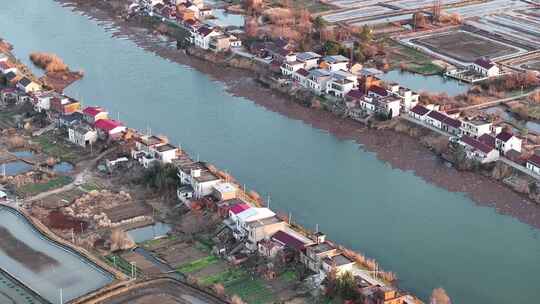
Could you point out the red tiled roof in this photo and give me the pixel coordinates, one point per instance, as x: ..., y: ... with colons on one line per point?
x: 485, y: 63
x: 419, y: 110
x: 437, y: 116
x: 476, y: 144
x: 237, y: 208
x: 108, y: 124
x: 288, y: 240
x: 504, y: 136
x: 535, y: 160
x: 93, y: 111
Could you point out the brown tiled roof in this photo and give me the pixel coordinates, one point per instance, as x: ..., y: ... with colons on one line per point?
x: 419, y: 110
x: 476, y: 144
x: 454, y: 123
x: 487, y: 139
x: 437, y: 116
x: 535, y: 160
x: 485, y: 63
x: 504, y: 136
x: 378, y: 90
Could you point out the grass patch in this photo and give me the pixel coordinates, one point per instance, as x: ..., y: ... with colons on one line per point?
x: 121, y: 264
x: 56, y: 148
x: 226, y: 278
x: 252, y: 291
x: 32, y: 189
x: 288, y: 276
x: 198, y: 264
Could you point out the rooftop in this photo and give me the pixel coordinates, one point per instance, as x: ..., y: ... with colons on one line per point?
x: 338, y: 260
x: 335, y: 59
x: 165, y: 148
x: 420, y: 110
x: 307, y: 56
x: 437, y: 116
x: 225, y: 187
x: 475, y: 144
x: 239, y: 207
x: 321, y: 247
x: 289, y: 240
x: 93, y: 111
x: 264, y: 222
x: 504, y: 136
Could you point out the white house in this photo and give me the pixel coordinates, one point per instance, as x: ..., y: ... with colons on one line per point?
x: 202, y: 36
x: 533, y: 163
x: 289, y: 67
x: 419, y: 112
x: 505, y: 142
x: 82, y: 135
x: 335, y: 63
x: 485, y: 67
x: 197, y: 175
x: 478, y: 150
x: 317, y: 79
x: 339, y: 262
x: 26, y: 85
x: 436, y: 119
x: 108, y: 128
x: 389, y: 105
x: 341, y: 83
x: 476, y: 127
x: 309, y: 59
x: 246, y: 216
x: 42, y: 100
x: 300, y: 76
x: 165, y: 153
x: 409, y: 99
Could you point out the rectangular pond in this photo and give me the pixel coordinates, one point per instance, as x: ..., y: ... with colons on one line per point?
x: 47, y: 268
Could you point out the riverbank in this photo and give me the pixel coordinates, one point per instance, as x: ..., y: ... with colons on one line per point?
x: 399, y: 150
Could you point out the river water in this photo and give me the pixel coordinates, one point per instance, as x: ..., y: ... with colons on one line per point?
x: 46, y: 268
x: 429, y: 236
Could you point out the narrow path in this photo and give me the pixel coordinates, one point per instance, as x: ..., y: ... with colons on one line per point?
x: 495, y: 102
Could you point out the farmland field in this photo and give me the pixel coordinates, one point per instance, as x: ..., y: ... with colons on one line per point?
x: 464, y: 46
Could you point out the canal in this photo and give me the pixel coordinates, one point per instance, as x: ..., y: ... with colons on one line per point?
x: 429, y: 236
x: 50, y: 270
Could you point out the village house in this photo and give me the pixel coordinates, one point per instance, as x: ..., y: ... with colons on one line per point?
x: 505, y: 142
x: 294, y: 62
x: 377, y: 91
x: 12, y: 78
x: 341, y: 83
x: 314, y: 255
x: 475, y: 127
x: 316, y: 81
x: 452, y: 126
x: 286, y: 239
x: 419, y: 112
x: 8, y: 95
x: 224, y: 191
x: 257, y: 230
x: 388, y: 106
x: 533, y: 163
x: 339, y: 262
x: 300, y: 76
x: 42, y: 100
x: 485, y: 67
x: 82, y: 135
x: 477, y: 150
x: 26, y: 85
x: 353, y: 98
x: 309, y: 59
x: 408, y: 98
x: 64, y: 105
x: 66, y: 120
x: 435, y: 119
x: 290, y: 67
x: 110, y: 129
x: 197, y: 176
x: 93, y: 114
x: 202, y: 36
x: 334, y: 63
x: 223, y: 43
x: 165, y: 153
x: 239, y: 221
x: 381, y: 295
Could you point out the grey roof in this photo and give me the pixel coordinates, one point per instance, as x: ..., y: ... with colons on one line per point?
x: 25, y: 81
x: 307, y: 56
x: 335, y: 59
x: 318, y: 73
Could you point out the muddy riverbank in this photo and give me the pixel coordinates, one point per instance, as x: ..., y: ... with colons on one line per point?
x: 399, y: 150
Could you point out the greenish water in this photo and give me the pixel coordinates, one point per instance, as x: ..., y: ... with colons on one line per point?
x: 429, y: 236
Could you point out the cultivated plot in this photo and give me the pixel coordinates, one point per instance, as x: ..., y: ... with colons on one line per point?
x: 464, y: 46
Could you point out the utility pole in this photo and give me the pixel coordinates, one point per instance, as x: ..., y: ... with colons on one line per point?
x: 268, y: 204
x: 114, y: 261
x: 61, y: 296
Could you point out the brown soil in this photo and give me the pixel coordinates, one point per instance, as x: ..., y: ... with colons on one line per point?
x: 399, y: 150
x: 58, y: 81
x: 58, y: 220
x: 35, y: 260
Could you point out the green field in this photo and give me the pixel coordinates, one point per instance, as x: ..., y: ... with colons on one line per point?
x: 122, y: 265
x: 33, y: 189
x: 198, y: 264
x: 58, y: 148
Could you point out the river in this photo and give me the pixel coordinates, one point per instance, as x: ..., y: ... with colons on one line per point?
x: 429, y: 236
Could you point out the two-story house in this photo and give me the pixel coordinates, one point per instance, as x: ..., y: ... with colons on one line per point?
x: 334, y: 63
x: 82, y: 134
x: 475, y: 127
x: 317, y: 79
x: 93, y: 114
x: 341, y: 83
x: 203, y: 35
x: 477, y: 150
x: 197, y: 176
x: 505, y: 142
